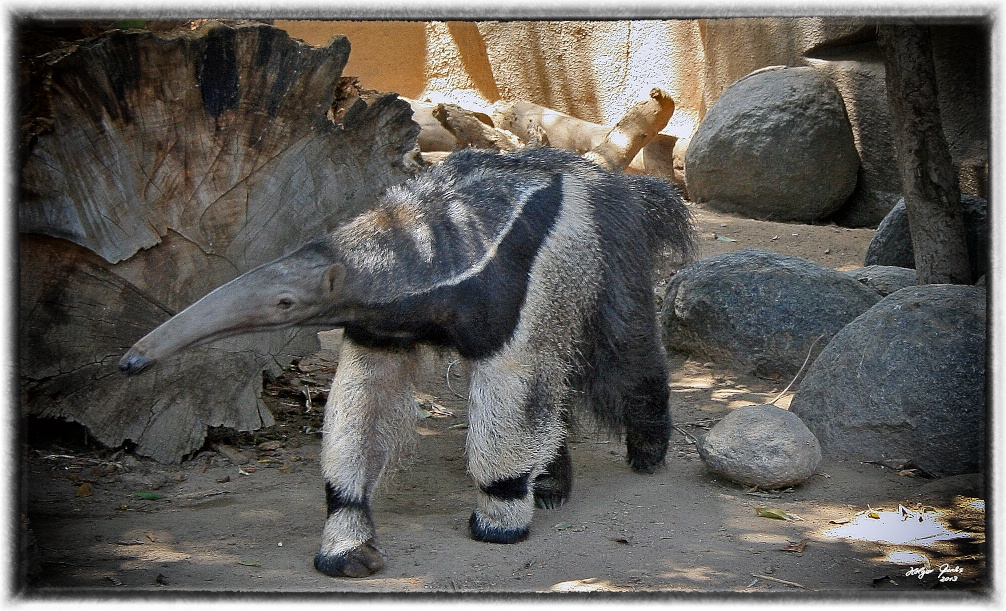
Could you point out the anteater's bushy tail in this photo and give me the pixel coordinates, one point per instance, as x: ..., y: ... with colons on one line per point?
x: 668, y: 219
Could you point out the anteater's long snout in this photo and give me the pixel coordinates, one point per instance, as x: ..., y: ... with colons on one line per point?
x: 133, y: 362
x: 199, y: 322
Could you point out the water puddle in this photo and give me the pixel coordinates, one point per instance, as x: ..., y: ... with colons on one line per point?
x: 917, y: 536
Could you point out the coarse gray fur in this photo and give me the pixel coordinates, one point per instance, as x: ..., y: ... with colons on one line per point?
x: 534, y: 265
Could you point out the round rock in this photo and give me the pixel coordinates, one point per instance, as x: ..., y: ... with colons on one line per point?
x: 892, y: 243
x: 905, y: 381
x: 777, y: 145
x: 885, y: 279
x: 761, y: 445
x: 759, y: 312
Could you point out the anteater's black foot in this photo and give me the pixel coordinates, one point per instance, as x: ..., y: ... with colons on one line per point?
x: 362, y: 561
x: 482, y: 530
x: 645, y: 456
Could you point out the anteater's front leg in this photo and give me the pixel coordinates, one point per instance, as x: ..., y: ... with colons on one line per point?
x: 515, y: 432
x: 370, y: 408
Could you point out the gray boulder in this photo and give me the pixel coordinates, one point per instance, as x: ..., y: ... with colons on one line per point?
x: 761, y: 445
x: 858, y: 72
x: 776, y: 145
x: 759, y: 312
x: 906, y: 380
x: 892, y: 243
x: 885, y: 279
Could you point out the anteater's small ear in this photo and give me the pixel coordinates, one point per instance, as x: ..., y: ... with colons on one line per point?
x: 335, y: 277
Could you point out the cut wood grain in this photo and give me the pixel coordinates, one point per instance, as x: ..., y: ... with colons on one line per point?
x: 157, y: 167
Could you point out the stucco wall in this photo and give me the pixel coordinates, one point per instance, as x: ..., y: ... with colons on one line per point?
x: 590, y: 69
x: 595, y: 70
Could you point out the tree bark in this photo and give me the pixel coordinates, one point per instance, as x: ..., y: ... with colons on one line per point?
x: 154, y: 169
x: 929, y: 182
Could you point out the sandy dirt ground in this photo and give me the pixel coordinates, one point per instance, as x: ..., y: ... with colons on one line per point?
x: 245, y: 514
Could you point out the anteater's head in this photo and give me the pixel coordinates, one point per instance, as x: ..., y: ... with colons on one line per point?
x: 302, y: 288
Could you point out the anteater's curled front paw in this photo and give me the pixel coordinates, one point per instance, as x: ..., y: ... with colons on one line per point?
x: 361, y: 561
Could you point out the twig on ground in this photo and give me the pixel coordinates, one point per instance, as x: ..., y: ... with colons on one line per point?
x: 797, y: 376
x: 782, y: 581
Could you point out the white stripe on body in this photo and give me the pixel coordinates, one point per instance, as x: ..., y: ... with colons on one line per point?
x: 364, y: 254
x: 523, y: 197
x: 422, y: 235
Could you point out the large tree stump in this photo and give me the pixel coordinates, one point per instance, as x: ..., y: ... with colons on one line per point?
x: 163, y: 167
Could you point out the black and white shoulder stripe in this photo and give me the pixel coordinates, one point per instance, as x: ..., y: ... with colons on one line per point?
x: 447, y: 226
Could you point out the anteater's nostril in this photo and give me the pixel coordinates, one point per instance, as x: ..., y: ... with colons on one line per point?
x: 133, y: 363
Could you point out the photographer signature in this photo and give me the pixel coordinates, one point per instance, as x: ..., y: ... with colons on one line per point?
x: 945, y: 572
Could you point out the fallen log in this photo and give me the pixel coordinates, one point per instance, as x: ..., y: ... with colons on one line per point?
x: 563, y: 131
x: 469, y: 129
x: 634, y: 130
x: 157, y: 168
x: 433, y: 137
x: 529, y: 122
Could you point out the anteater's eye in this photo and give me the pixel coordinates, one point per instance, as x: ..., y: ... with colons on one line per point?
x: 284, y: 303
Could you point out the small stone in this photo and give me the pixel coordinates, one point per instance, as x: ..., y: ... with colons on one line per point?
x: 761, y: 445
x: 234, y: 455
x: 130, y: 462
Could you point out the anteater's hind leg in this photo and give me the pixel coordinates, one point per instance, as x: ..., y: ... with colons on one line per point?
x: 628, y: 390
x: 646, y: 414
x: 370, y: 407
x: 648, y: 426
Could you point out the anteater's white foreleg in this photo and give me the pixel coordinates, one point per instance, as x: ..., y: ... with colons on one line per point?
x: 370, y: 409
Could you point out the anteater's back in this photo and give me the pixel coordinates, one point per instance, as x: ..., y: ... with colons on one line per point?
x: 459, y: 242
